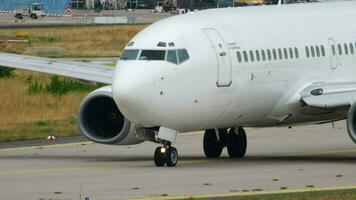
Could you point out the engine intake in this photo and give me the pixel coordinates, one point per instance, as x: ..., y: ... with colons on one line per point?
x: 101, y: 121
x: 351, y: 122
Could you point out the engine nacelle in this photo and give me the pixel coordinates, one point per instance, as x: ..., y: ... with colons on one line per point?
x: 101, y: 121
x: 351, y: 122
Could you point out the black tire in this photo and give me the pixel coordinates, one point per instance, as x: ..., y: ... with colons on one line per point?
x: 236, y: 143
x: 171, y: 157
x: 33, y: 16
x: 18, y: 16
x: 159, y: 158
x: 212, y: 146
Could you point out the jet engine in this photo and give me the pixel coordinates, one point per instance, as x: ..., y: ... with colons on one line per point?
x: 351, y: 122
x: 101, y: 121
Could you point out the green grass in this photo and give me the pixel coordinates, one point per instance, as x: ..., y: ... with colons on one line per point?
x: 34, y: 105
x: 39, y: 130
x: 72, y: 42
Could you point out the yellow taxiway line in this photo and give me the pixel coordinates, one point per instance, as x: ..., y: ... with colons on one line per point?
x: 256, y: 193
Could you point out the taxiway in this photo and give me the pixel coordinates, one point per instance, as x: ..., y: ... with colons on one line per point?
x: 278, y: 159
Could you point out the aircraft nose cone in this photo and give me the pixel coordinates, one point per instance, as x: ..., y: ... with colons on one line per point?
x: 133, y: 89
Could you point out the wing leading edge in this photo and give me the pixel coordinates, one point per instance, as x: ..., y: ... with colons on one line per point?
x: 77, y: 70
x: 329, y: 95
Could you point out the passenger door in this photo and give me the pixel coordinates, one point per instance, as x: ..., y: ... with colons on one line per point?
x: 222, y: 55
x: 334, y: 56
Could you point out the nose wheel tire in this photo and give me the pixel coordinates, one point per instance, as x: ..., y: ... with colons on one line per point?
x: 236, y: 143
x: 167, y: 156
x: 159, y: 157
x: 171, y: 157
x: 211, y: 144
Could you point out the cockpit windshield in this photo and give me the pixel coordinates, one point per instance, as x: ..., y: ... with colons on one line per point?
x: 152, y: 55
x: 175, y: 56
x: 129, y: 55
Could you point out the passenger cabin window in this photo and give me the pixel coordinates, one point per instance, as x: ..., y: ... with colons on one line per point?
x: 339, y: 49
x: 263, y: 55
x: 285, y: 52
x: 317, y: 49
x: 269, y: 55
x: 245, y: 56
x: 291, y: 53
x: 346, y: 49
x: 152, y: 55
x: 307, y: 52
x: 274, y: 54
x: 322, y: 50
x: 258, y: 57
x: 252, y: 58
x: 172, y: 56
x: 352, y: 49
x: 280, y: 54
x: 239, y: 57
x: 312, y: 51
x: 296, y: 52
x: 129, y: 55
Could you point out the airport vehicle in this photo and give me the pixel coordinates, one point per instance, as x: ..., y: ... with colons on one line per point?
x: 220, y: 70
x: 34, y: 11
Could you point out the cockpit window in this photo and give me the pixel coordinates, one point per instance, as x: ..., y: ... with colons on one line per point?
x: 172, y: 56
x: 183, y: 55
x: 130, y: 44
x: 175, y: 56
x: 152, y: 55
x: 129, y: 55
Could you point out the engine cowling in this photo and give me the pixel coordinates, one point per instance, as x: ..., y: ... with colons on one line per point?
x: 351, y: 122
x: 101, y: 121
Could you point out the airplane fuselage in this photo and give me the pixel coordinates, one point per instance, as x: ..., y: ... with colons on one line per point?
x: 246, y: 67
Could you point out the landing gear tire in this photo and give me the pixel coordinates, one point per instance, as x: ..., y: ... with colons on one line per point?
x: 167, y: 156
x: 211, y: 144
x: 171, y: 157
x: 159, y: 157
x: 236, y: 143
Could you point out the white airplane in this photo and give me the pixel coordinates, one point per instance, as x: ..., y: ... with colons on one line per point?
x: 220, y: 70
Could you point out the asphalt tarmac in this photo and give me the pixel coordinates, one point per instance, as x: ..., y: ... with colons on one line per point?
x: 278, y: 160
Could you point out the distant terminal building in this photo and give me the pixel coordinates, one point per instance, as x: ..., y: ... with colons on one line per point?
x: 50, y: 6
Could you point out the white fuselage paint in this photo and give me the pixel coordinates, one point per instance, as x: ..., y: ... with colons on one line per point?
x: 187, y: 97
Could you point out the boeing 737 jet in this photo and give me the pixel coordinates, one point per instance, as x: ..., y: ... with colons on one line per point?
x: 220, y: 70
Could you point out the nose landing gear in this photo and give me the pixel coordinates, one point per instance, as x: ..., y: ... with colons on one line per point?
x: 166, y: 155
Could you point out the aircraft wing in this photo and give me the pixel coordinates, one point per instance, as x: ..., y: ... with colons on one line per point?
x: 329, y: 95
x: 77, y: 70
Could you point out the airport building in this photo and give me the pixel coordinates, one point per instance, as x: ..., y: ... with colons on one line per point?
x: 50, y: 6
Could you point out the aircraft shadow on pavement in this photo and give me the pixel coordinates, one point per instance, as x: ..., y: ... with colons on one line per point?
x: 253, y: 159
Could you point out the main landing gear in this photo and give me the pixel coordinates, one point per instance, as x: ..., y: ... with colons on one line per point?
x: 215, y: 140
